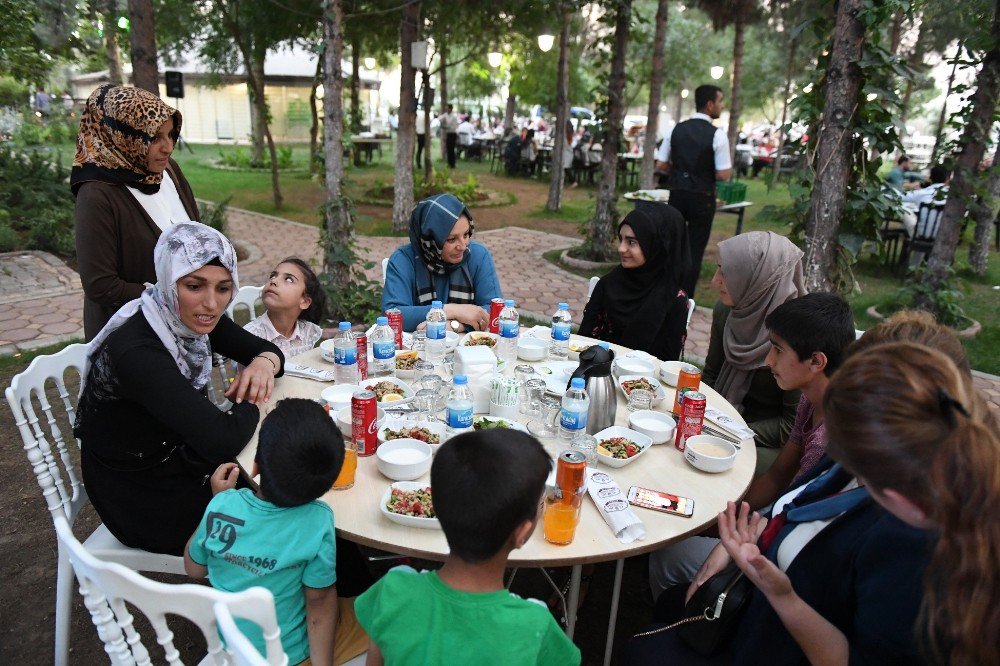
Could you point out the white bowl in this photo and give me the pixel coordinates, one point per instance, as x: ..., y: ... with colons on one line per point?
x: 642, y: 441
x: 338, y: 396
x: 706, y: 453
x: 469, y: 337
x: 344, y: 420
x: 404, y: 459
x: 451, y: 339
x: 658, y: 426
x: 574, y: 349
x: 406, y: 390
x: 513, y: 425
x: 406, y: 374
x: 436, y: 427
x: 631, y: 365
x: 409, y: 521
x: 532, y: 349
x: 670, y: 371
x: 326, y: 350
x: 659, y: 394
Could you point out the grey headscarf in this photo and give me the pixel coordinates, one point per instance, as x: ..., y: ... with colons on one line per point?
x: 763, y: 270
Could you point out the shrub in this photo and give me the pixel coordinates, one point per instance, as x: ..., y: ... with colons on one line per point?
x: 36, y: 201
x: 214, y: 215
x: 9, y: 239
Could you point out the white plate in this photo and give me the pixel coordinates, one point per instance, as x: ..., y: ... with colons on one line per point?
x: 478, y: 334
x: 435, y: 427
x: 658, y: 396
x: 661, y: 196
x: 556, y: 378
x: 407, y: 391
x: 643, y: 442
x: 408, y: 521
x: 513, y: 425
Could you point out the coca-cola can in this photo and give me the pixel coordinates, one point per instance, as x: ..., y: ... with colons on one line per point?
x: 691, y: 418
x: 496, y: 305
x: 362, y: 355
x: 364, y: 422
x: 395, y: 317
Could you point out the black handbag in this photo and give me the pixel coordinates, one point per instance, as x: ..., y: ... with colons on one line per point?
x: 713, y: 612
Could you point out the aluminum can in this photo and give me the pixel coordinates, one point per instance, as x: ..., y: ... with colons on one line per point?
x: 571, y: 472
x: 364, y: 422
x: 688, y: 377
x: 362, y: 356
x: 496, y: 305
x: 691, y: 418
x: 395, y: 317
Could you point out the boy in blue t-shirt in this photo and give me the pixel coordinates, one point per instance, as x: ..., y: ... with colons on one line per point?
x: 281, y: 537
x: 486, y: 488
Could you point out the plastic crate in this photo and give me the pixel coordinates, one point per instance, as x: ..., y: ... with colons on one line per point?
x: 731, y: 191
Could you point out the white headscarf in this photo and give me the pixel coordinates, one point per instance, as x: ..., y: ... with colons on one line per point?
x: 180, y: 250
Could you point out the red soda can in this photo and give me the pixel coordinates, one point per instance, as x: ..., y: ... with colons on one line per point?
x: 362, y: 355
x: 688, y: 378
x: 691, y: 418
x: 395, y: 317
x: 364, y: 422
x: 496, y: 305
x: 571, y: 475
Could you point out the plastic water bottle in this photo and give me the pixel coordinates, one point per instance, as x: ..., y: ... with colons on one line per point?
x: 559, y: 344
x: 509, y: 329
x: 435, y: 343
x: 345, y: 355
x: 383, y: 349
x: 458, y: 411
x: 575, y: 405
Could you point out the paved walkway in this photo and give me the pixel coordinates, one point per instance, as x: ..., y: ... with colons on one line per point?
x: 41, y: 303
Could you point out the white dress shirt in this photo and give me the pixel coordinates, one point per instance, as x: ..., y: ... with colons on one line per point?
x: 720, y: 146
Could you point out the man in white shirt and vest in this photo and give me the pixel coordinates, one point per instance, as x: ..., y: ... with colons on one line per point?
x: 693, y: 155
x: 449, y: 127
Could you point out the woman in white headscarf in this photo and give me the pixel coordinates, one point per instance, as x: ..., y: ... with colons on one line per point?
x: 148, y: 432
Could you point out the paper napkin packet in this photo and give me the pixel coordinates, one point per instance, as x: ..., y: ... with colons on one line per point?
x: 613, y: 506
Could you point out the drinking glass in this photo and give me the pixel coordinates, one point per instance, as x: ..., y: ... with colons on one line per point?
x: 523, y: 373
x: 419, y: 340
x: 425, y: 401
x: 587, y: 445
x: 548, y: 424
x: 421, y: 369
x: 345, y: 479
x: 561, y: 515
x: 531, y: 397
x: 639, y: 399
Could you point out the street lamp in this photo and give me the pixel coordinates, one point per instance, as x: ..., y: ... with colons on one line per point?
x: 546, y: 40
x: 685, y: 93
x: 494, y: 58
x: 717, y: 72
x: 370, y: 63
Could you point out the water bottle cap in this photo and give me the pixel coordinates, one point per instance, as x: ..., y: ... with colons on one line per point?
x: 435, y: 304
x: 577, y: 382
x: 509, y: 303
x: 461, y: 380
x: 345, y: 325
x: 603, y: 344
x: 564, y: 306
x: 382, y: 321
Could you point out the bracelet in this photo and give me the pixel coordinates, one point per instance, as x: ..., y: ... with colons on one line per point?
x: 266, y: 358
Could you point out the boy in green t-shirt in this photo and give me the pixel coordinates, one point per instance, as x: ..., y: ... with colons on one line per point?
x: 486, y: 487
x: 282, y: 537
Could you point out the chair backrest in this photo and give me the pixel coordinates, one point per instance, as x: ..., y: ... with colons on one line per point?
x: 928, y: 220
x: 591, y: 285
x: 239, y: 646
x: 43, y: 438
x: 691, y: 307
x: 247, y: 297
x: 385, y: 266
x: 107, y: 587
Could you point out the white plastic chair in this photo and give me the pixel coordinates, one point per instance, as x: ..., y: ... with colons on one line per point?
x: 247, y: 297
x: 385, y: 267
x: 106, y: 588
x: 591, y: 286
x: 52, y: 461
x: 691, y: 307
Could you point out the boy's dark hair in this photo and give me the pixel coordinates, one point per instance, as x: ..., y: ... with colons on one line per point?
x: 705, y: 94
x: 313, y: 289
x: 299, y: 452
x: 485, y: 484
x: 939, y: 173
x: 816, y: 322
x: 903, y: 158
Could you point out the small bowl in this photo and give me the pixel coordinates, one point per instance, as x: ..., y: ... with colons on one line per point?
x: 659, y: 394
x: 670, y: 371
x: 532, y: 349
x: 408, y: 521
x: 642, y: 441
x: 436, y: 427
x: 574, y: 349
x: 406, y: 374
x: 631, y: 365
x: 404, y: 459
x: 338, y: 396
x: 326, y: 350
x: 469, y: 337
x: 344, y: 420
x: 709, y: 453
x: 451, y: 339
x: 659, y: 427
x: 405, y: 389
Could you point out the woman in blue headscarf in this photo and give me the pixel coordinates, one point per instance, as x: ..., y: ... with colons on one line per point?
x: 441, y: 263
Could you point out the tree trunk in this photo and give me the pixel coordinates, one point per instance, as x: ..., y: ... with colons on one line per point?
x: 833, y: 153
x: 984, y: 213
x: 508, y: 114
x: 258, y: 114
x: 443, y: 84
x: 562, y: 116
x: 780, y: 150
x: 739, y: 29
x: 602, y: 227
x: 646, y: 175
x: 339, y: 225
x: 314, y: 126
x: 354, y: 123
x: 114, y: 54
x: 896, y: 32
x: 402, y: 203
x: 973, y: 144
x: 143, y: 39
x: 426, y: 120
x: 915, y: 60
x: 939, y: 132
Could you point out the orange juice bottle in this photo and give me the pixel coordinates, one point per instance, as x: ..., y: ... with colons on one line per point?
x: 559, y: 522
x: 345, y: 479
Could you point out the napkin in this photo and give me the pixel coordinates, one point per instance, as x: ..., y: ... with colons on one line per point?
x: 613, y: 506
x: 478, y: 364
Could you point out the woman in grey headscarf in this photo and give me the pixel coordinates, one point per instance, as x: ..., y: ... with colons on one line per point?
x: 149, y: 434
x: 758, y: 271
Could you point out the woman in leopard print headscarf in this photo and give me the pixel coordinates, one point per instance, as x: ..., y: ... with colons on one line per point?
x: 128, y: 191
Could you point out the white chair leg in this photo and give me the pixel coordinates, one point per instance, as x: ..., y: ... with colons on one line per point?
x: 64, y: 603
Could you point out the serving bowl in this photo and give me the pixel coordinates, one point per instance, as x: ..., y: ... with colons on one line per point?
x: 326, y: 350
x: 338, y: 396
x: 670, y: 371
x: 344, y: 420
x: 435, y: 427
x: 470, y: 338
x: 404, y: 459
x: 406, y: 390
x: 640, y: 440
x: 658, y: 394
x: 532, y: 349
x: 710, y: 453
x: 632, y: 365
x: 574, y: 349
x: 659, y: 427
x: 409, y: 521
x: 406, y: 354
x: 495, y: 421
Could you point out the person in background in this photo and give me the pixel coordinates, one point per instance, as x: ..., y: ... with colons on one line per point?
x: 42, y: 103
x: 449, y: 127
x: 567, y: 160
x: 443, y: 263
x: 294, y: 302
x: 936, y: 192
x: 900, y: 176
x: 421, y: 142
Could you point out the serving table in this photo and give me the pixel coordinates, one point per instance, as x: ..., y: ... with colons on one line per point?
x: 358, y: 516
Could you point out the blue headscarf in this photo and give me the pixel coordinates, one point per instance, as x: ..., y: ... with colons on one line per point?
x: 430, y: 225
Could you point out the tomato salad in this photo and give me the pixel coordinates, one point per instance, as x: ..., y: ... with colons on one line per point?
x: 481, y: 341
x: 383, y: 389
x: 423, y: 434
x: 416, y: 503
x: 641, y: 383
x: 619, y: 447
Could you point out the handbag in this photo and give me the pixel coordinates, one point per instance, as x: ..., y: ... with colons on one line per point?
x: 712, y: 613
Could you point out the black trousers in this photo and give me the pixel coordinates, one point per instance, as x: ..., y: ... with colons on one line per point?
x: 699, y: 211
x: 421, y: 142
x: 451, y: 140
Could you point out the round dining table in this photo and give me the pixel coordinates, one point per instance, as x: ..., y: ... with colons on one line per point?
x: 358, y: 516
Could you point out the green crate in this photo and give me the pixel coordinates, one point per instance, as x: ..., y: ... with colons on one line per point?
x: 731, y: 191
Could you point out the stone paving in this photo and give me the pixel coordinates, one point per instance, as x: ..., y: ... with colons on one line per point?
x: 41, y: 299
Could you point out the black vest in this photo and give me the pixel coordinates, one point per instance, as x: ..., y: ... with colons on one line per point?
x: 692, y: 157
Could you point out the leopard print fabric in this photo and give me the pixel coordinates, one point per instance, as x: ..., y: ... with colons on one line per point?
x: 116, y: 130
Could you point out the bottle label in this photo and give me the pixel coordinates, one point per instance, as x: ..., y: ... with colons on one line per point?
x: 509, y: 329
x: 572, y: 420
x: 459, y: 418
x: 560, y: 331
x: 345, y: 355
x: 384, y: 350
x: 435, y: 330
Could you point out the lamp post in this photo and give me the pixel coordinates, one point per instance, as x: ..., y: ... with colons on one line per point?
x: 717, y: 72
x: 494, y: 58
x: 546, y: 40
x: 370, y: 63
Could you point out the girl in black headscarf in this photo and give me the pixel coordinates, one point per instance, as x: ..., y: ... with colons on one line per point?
x: 640, y: 303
